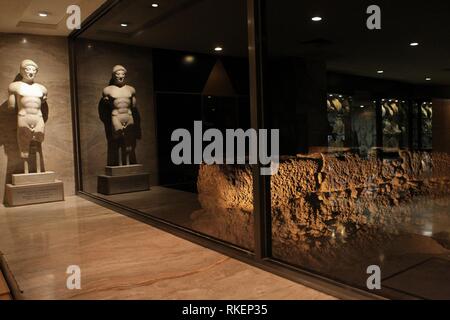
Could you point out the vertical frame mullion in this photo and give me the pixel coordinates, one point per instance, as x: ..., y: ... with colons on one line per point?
x: 261, y: 184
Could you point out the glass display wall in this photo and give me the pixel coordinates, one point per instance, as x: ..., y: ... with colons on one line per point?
x: 144, y: 72
x: 361, y: 99
x: 365, y: 173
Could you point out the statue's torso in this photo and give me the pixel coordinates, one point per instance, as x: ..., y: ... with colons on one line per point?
x: 29, y: 99
x: 121, y: 99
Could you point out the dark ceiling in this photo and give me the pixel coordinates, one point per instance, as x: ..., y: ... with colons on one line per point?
x: 341, y: 39
x: 187, y: 25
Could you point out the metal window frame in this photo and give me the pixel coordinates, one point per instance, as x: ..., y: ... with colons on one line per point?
x: 261, y: 257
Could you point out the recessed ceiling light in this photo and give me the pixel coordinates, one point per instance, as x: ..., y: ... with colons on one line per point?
x: 189, y: 59
x: 155, y: 5
x: 316, y: 19
x: 428, y: 79
x: 414, y: 44
x: 218, y: 49
x: 380, y: 71
x: 43, y: 14
x: 124, y: 25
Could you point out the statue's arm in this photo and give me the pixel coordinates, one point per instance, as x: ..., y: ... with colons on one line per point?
x: 45, y: 93
x: 133, y: 98
x: 44, y: 107
x: 12, y: 96
x: 105, y: 94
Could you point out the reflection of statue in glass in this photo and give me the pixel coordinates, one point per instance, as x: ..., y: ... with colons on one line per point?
x: 118, y: 112
x: 30, y: 99
x: 338, y: 109
x: 427, y: 125
x: 391, y: 129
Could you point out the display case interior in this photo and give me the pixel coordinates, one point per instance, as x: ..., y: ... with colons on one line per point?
x: 138, y: 85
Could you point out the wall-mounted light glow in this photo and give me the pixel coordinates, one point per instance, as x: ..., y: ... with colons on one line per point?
x: 43, y: 14
x: 24, y: 40
x: 380, y: 71
x: 155, y: 5
x: 218, y: 49
x: 362, y: 106
x: 427, y: 79
x: 316, y: 19
x: 414, y: 44
x: 124, y: 25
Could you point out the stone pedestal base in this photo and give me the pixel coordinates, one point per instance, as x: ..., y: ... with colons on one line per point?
x: 21, y: 195
x: 109, y: 185
x: 123, y: 179
x: 124, y: 170
x: 33, y: 178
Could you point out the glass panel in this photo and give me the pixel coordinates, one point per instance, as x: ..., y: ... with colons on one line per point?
x: 186, y: 70
x: 364, y: 118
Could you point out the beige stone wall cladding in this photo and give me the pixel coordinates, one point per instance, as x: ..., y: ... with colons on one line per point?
x: 325, y: 197
x: 51, y: 54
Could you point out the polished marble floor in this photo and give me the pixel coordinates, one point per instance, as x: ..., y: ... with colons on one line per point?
x: 121, y: 258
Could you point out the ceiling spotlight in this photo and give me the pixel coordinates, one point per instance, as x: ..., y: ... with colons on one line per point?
x: 155, y: 5
x: 380, y: 71
x: 218, y: 49
x: 189, y: 59
x: 43, y: 14
x: 124, y: 25
x: 428, y: 79
x: 316, y: 19
x: 414, y: 44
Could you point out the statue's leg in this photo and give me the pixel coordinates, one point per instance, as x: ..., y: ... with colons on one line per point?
x: 38, y: 160
x: 24, y: 138
x: 129, y: 141
x: 38, y: 136
x: 118, y: 137
x: 120, y: 148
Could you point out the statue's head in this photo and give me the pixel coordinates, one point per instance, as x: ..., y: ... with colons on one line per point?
x: 119, y: 74
x: 28, y: 70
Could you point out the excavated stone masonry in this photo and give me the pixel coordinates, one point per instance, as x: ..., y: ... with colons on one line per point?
x: 320, y: 201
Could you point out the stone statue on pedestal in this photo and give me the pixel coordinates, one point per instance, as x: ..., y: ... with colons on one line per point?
x: 118, y: 112
x: 120, y: 116
x: 30, y: 101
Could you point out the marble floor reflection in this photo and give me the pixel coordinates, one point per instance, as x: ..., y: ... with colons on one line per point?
x: 169, y: 204
x: 121, y: 258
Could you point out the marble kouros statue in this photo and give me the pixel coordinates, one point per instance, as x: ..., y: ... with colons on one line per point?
x: 119, y: 114
x: 118, y: 111
x: 30, y: 101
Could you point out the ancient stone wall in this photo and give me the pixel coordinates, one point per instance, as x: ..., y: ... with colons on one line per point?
x: 324, y: 198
